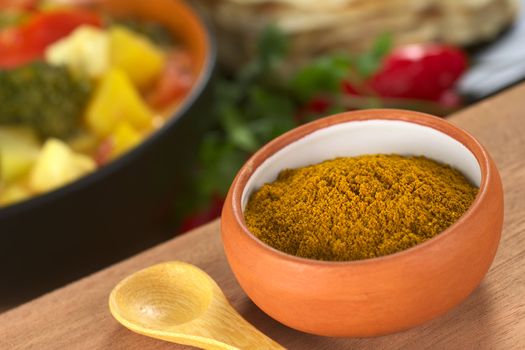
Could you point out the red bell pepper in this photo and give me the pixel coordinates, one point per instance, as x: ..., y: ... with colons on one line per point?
x: 419, y: 71
x: 200, y: 218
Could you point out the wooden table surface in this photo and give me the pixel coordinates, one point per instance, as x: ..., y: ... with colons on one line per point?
x: 493, y: 317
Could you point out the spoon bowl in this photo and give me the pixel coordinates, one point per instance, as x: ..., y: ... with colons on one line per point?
x: 180, y: 303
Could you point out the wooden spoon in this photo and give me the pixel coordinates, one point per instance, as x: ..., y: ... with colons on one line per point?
x: 180, y: 303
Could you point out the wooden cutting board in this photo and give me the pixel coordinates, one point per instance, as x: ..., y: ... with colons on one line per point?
x: 493, y: 317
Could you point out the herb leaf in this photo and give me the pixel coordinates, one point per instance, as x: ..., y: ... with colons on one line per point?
x: 370, y: 62
x: 237, y: 130
x: 272, y: 46
x: 323, y: 75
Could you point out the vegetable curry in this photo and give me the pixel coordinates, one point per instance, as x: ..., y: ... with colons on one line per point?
x: 79, y: 88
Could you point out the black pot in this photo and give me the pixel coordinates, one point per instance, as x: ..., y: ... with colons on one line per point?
x: 108, y: 215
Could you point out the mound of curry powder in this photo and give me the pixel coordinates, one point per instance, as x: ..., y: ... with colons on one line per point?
x: 358, y: 207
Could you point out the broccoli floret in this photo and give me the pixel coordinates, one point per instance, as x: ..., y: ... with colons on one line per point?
x: 47, y: 98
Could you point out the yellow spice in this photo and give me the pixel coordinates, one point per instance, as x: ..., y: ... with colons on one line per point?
x: 358, y: 207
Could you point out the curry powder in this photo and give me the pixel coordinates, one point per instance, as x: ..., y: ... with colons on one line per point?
x: 355, y: 208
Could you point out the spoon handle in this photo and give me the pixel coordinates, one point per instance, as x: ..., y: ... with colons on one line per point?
x: 242, y: 334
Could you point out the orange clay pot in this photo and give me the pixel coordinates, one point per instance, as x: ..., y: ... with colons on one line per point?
x: 374, y: 296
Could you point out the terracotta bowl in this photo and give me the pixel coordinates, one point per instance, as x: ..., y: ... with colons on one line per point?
x: 374, y: 296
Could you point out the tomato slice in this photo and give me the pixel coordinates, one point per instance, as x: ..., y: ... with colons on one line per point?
x: 47, y: 27
x: 28, y: 42
x: 14, y: 49
x: 104, y: 151
x: 174, y: 81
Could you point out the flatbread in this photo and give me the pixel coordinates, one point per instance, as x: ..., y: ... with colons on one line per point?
x: 230, y: 15
x: 313, y: 5
x: 352, y: 25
